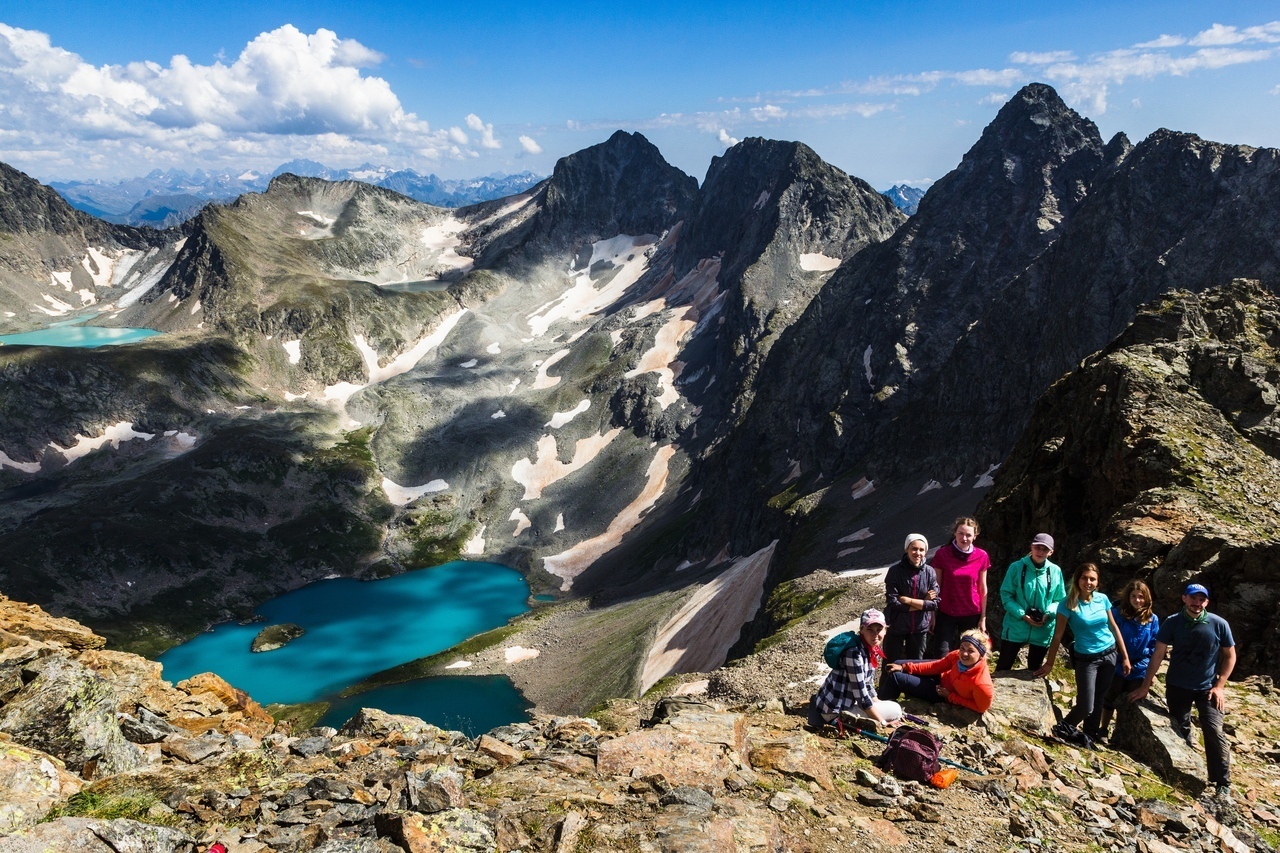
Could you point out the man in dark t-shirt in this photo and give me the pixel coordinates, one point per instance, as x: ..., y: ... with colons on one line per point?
x: 1204, y: 653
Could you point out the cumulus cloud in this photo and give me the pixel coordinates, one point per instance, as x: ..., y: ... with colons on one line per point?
x: 530, y: 145
x: 993, y: 99
x: 485, y: 130
x: 287, y: 94
x: 725, y: 139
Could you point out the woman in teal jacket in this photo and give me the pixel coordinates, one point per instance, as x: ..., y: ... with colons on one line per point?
x: 1030, y: 592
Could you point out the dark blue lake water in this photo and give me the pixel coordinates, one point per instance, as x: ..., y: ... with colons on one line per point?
x: 357, y: 628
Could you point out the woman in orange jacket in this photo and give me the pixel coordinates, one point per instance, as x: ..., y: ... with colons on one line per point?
x: 961, y: 678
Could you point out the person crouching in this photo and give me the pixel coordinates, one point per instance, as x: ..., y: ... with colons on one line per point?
x: 961, y: 678
x: 851, y: 686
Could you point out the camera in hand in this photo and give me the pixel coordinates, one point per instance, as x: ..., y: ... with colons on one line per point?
x: 1036, y: 614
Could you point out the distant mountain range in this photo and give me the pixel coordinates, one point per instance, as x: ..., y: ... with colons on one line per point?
x: 905, y: 198
x: 169, y: 197
x: 164, y: 198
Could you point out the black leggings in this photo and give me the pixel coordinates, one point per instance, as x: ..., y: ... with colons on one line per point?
x: 1009, y: 655
x: 1093, y: 678
x: 947, y: 631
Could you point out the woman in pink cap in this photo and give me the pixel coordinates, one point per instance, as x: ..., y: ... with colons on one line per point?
x: 851, y: 686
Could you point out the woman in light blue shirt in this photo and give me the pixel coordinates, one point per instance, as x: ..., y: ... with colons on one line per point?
x: 1097, y: 648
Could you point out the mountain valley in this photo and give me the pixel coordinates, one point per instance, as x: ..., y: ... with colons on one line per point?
x: 659, y: 399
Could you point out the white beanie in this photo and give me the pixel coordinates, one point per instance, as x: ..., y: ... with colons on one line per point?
x: 911, y: 537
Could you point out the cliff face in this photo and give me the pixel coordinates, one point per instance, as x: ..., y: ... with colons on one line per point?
x: 1159, y: 458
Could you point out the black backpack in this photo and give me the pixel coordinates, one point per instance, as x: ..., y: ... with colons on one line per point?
x: 911, y: 754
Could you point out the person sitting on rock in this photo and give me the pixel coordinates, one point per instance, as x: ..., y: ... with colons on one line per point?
x: 850, y: 687
x: 961, y: 678
x: 1204, y: 653
x: 1099, y: 651
x: 1030, y: 592
x: 911, y: 599
x: 1138, y: 625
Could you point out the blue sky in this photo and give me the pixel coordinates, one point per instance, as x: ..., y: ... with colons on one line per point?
x: 890, y: 92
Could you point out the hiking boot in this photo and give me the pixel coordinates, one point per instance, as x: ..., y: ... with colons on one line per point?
x: 1223, y: 795
x: 815, y: 721
x: 1062, y: 731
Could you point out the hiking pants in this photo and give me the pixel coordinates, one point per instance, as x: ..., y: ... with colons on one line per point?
x: 1009, y: 655
x: 947, y: 630
x: 918, y: 686
x: 1093, y: 677
x: 1216, y: 752
x: 905, y: 646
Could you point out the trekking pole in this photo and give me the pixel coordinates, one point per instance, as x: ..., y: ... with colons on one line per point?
x: 955, y: 764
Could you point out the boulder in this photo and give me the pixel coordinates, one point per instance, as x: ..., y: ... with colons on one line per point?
x: 215, y: 704
x: 1021, y: 702
x: 455, y: 830
x: 379, y: 725
x: 69, y: 711
x: 30, y: 620
x: 86, y: 835
x: 136, y: 680
x: 728, y: 730
x: 690, y: 830
x: 797, y: 756
x: 436, y: 790
x: 31, y: 782
x: 1144, y: 731
x: 679, y: 758
x: 359, y: 845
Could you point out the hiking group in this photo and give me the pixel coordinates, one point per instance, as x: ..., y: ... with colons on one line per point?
x: 1116, y: 649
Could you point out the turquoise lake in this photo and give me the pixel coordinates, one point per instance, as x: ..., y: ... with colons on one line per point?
x: 356, y: 628
x: 77, y: 336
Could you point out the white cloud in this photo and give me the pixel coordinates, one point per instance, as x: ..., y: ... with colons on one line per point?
x: 530, y: 145
x: 1163, y: 41
x: 725, y: 139
x: 485, y: 130
x: 1021, y: 58
x: 1218, y: 35
x: 287, y: 94
x: 993, y: 99
x: 458, y: 135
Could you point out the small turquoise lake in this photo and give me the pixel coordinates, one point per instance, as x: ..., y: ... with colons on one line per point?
x: 77, y: 336
x: 356, y: 628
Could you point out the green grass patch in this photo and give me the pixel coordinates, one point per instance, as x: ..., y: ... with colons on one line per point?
x: 109, y: 807
x: 300, y: 717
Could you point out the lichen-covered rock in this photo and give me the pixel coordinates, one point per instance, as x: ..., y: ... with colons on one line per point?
x: 31, y: 782
x: 70, y: 711
x: 86, y: 835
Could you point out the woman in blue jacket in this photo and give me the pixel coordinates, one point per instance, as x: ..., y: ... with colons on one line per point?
x: 1138, y: 627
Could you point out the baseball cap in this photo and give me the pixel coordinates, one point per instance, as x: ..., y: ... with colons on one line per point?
x: 1043, y: 539
x: 1192, y: 589
x: 872, y: 617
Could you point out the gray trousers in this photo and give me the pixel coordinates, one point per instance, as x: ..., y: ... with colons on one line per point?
x: 1216, y: 751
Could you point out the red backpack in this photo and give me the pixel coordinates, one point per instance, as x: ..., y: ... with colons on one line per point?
x: 911, y: 754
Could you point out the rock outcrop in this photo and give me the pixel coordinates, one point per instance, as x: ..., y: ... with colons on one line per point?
x: 1158, y: 458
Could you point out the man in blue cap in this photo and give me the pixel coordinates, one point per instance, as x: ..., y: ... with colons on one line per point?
x: 1204, y: 653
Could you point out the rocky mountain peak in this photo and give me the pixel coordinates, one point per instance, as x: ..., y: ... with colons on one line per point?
x: 1159, y: 458
x: 620, y: 186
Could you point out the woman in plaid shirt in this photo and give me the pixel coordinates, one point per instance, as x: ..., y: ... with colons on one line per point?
x: 852, y: 685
